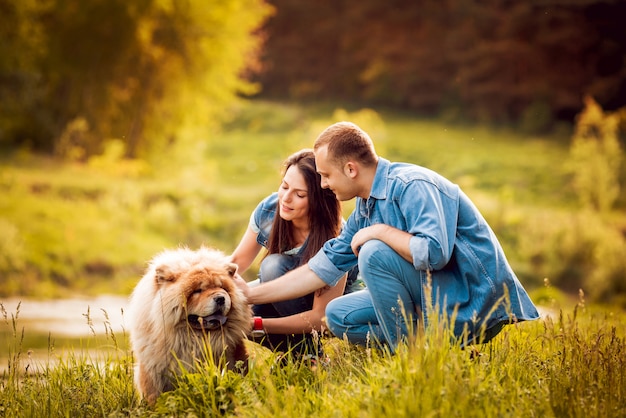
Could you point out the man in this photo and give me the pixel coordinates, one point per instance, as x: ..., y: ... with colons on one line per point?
x: 411, y: 230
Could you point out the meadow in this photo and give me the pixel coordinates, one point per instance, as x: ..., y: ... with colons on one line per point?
x: 568, y: 364
x: 89, y: 227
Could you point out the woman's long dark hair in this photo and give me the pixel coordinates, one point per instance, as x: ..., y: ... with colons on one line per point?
x: 324, y: 211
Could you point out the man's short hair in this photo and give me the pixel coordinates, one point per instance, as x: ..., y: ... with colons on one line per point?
x: 346, y: 141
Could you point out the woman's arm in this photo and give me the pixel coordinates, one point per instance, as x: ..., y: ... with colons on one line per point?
x: 246, y: 251
x: 306, y: 322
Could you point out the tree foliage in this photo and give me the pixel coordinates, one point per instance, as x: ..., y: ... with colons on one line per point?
x: 78, y: 73
x: 596, y: 157
x: 492, y: 60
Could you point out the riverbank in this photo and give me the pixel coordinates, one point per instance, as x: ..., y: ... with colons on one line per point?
x: 68, y: 317
x: 37, y: 334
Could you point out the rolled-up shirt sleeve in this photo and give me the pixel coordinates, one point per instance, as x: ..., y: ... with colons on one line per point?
x: 253, y: 223
x: 321, y: 265
x: 335, y: 258
x: 419, y: 251
x: 431, y: 219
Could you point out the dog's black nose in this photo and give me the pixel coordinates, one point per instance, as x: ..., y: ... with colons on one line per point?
x: 219, y: 300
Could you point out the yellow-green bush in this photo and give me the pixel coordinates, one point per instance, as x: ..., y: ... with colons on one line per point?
x: 595, y: 157
x: 573, y: 250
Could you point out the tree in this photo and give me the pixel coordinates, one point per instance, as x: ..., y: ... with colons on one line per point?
x: 21, y: 43
x: 493, y: 61
x: 135, y: 70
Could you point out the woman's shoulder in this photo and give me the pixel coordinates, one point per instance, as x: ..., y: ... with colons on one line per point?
x: 264, y: 213
x: 269, y: 201
x: 267, y: 204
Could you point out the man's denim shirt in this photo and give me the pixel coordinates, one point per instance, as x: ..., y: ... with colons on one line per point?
x: 471, y: 277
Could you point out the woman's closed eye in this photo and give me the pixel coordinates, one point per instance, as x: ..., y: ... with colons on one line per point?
x: 299, y: 193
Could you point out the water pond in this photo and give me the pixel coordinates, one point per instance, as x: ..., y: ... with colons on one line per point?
x: 43, y: 331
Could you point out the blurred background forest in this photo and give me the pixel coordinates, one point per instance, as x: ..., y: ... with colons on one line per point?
x: 127, y: 127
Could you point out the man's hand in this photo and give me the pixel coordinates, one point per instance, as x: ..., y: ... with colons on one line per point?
x: 396, y: 239
x: 365, y: 234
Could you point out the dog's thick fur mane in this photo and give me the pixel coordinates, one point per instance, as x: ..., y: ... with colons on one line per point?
x: 167, y: 310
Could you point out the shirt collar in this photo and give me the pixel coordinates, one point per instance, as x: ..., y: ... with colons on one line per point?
x: 379, y: 186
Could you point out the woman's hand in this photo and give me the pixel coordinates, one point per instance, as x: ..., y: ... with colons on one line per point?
x: 242, y: 285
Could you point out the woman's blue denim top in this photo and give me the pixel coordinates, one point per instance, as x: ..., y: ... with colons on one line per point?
x: 262, y: 218
x: 261, y: 222
x: 471, y: 277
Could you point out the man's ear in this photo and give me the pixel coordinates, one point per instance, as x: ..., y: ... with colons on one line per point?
x: 350, y: 169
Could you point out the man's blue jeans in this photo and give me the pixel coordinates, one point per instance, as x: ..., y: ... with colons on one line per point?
x: 379, y: 313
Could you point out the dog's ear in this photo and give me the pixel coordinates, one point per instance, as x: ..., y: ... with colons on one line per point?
x: 232, y: 269
x: 164, y: 274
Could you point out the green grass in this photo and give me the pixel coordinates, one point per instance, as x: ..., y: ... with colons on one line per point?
x: 68, y: 228
x: 570, y: 364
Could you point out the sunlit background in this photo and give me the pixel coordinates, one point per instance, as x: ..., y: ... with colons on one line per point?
x: 128, y: 127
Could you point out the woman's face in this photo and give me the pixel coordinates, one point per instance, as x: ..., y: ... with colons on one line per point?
x: 293, y: 196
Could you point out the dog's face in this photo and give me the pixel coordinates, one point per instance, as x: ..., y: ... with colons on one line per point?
x: 199, y: 291
x: 208, y: 297
x: 186, y: 302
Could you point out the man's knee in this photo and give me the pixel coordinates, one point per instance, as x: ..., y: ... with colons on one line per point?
x: 334, y: 319
x: 332, y: 310
x: 371, y: 247
x: 375, y: 252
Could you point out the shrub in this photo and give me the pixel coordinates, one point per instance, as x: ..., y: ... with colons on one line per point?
x: 575, y: 250
x: 595, y: 157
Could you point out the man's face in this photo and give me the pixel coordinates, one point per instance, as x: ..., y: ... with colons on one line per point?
x: 333, y: 177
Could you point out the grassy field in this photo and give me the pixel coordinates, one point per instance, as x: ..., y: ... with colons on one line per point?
x: 89, y: 228
x: 569, y: 364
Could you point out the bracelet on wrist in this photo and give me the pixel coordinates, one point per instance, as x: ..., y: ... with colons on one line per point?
x: 257, y: 329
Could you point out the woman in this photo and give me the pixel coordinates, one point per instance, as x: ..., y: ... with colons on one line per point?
x: 308, y: 217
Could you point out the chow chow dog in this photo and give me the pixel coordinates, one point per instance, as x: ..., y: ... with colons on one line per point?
x: 186, y: 309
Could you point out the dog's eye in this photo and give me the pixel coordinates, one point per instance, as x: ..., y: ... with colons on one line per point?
x: 196, y: 291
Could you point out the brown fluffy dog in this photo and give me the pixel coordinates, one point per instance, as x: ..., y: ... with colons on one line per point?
x: 186, y: 304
